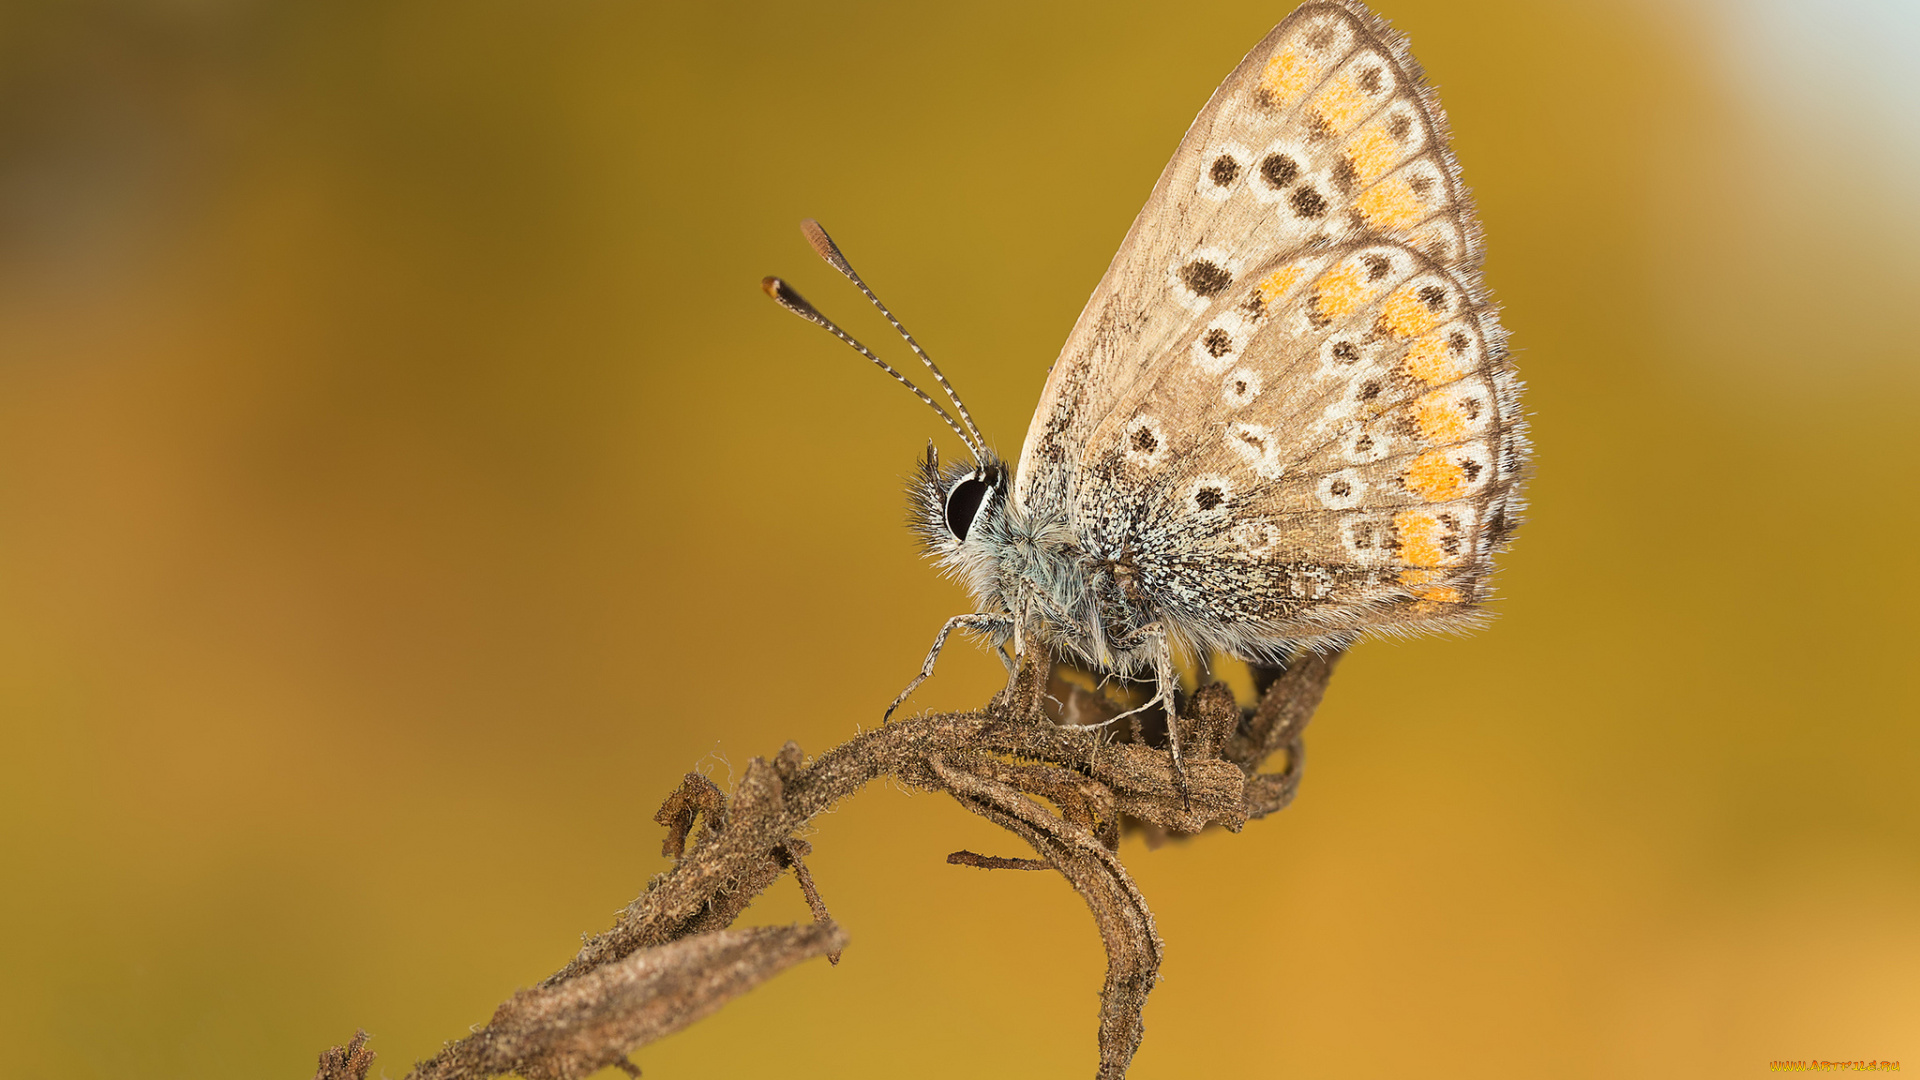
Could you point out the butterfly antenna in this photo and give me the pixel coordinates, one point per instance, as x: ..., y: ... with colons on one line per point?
x: 784, y: 295
x: 824, y: 246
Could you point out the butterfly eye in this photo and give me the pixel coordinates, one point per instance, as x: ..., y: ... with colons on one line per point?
x: 963, y: 505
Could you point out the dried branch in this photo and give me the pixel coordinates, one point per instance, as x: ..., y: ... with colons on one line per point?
x: 1126, y: 926
x: 1278, y: 723
x: 790, y: 853
x: 1024, y: 762
x: 964, y: 857
x: 583, y: 1025
x: 349, y: 1062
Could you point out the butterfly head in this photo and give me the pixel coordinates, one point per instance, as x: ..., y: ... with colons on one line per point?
x: 959, y: 511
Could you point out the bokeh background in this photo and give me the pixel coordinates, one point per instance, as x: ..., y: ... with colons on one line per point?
x: 398, y: 459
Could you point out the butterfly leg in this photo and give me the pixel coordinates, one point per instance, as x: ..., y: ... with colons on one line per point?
x: 1166, y: 689
x: 982, y: 621
x: 1165, y: 694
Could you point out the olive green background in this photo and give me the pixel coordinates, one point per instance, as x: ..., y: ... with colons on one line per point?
x: 403, y: 482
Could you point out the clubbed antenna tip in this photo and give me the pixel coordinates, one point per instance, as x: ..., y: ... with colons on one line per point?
x: 784, y: 295
x: 829, y: 251
x: 824, y: 246
x: 787, y: 297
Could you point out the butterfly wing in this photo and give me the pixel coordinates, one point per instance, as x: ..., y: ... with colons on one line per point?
x: 1288, y: 403
x: 1346, y: 462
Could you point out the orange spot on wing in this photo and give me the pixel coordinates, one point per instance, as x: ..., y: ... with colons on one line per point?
x: 1277, y: 284
x: 1434, y: 478
x: 1373, y: 154
x: 1342, y: 105
x: 1287, y: 76
x: 1340, y: 290
x: 1406, y: 314
x: 1420, y: 534
x: 1390, y: 205
x: 1426, y: 586
x: 1440, y: 418
x: 1433, y: 361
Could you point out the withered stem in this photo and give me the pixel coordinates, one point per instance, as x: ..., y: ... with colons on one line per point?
x: 994, y: 862
x: 670, y: 957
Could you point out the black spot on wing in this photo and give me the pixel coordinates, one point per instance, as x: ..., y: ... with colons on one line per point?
x: 1344, y: 175
x: 1206, y: 278
x: 1308, y: 203
x: 1278, y: 170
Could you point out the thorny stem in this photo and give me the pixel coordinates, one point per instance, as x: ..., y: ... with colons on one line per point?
x: 670, y: 959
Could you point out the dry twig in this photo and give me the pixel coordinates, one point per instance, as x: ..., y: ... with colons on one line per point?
x: 964, y: 857
x: 670, y: 959
x: 349, y: 1062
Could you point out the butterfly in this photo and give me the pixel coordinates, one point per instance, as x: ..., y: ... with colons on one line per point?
x: 1286, y: 418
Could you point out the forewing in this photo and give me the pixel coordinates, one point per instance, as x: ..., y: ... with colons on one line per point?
x: 1322, y: 135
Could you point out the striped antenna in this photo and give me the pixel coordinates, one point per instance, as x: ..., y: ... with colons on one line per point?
x: 784, y: 295
x: 824, y: 246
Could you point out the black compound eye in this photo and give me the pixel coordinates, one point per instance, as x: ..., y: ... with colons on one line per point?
x: 963, y: 505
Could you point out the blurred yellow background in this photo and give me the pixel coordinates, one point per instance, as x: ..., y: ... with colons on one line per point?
x: 403, y: 481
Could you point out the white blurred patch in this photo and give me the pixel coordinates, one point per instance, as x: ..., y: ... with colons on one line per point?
x: 1839, y: 68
